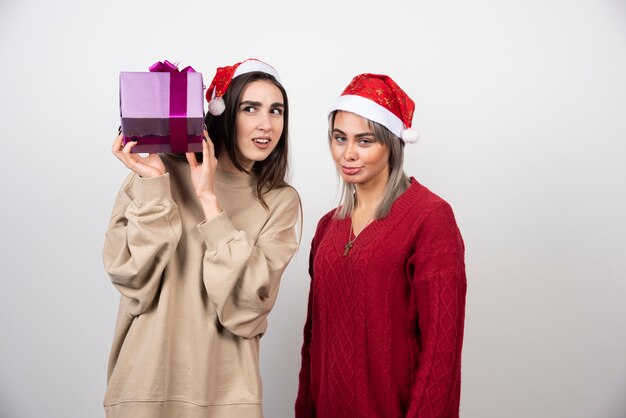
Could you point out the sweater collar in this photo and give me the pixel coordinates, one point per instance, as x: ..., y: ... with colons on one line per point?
x: 234, y: 179
x: 398, y: 209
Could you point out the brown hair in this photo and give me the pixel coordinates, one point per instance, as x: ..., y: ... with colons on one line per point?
x: 272, y: 172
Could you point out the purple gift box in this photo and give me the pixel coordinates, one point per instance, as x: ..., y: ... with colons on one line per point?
x: 162, y: 109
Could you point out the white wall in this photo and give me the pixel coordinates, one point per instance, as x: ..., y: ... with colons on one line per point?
x: 522, y: 109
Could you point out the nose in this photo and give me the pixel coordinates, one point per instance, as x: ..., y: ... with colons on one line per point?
x: 350, y: 152
x: 264, y: 122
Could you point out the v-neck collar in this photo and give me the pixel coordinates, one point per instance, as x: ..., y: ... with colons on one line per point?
x: 371, y: 231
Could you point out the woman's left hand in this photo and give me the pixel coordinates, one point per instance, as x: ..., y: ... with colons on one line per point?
x: 203, y: 177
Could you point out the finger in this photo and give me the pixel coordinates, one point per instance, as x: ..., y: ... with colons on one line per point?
x: 191, y: 159
x: 212, y: 154
x: 211, y: 148
x: 206, y: 152
x: 128, y: 156
x: 117, y: 143
x: 128, y: 147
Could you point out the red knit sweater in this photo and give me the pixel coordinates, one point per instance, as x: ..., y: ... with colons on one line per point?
x: 384, y: 329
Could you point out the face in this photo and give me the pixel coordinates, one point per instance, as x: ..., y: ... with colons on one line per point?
x: 259, y: 122
x: 361, y: 158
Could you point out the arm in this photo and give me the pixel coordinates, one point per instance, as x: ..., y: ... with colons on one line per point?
x: 242, y: 276
x: 439, y: 285
x: 305, y: 406
x: 142, y: 236
x: 304, y: 401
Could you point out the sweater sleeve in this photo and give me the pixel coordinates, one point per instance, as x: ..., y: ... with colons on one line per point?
x: 143, y: 233
x: 304, y: 401
x: 439, y: 285
x: 241, y: 275
x: 305, y: 407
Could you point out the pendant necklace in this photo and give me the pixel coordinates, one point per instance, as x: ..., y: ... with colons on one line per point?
x: 351, y: 240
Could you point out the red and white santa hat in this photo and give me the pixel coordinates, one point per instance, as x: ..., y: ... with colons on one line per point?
x: 378, y: 98
x: 223, y: 77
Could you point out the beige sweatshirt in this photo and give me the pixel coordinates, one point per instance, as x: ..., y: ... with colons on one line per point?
x: 195, y: 295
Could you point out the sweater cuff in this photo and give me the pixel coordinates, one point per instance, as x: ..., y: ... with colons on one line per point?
x: 152, y: 191
x: 218, y: 232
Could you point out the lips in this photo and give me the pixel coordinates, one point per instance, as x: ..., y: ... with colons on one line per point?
x: 261, y: 143
x: 350, y: 171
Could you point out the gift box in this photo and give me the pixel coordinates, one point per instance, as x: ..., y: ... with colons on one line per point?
x: 162, y: 109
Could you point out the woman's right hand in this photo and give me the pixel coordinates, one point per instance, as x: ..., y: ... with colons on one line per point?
x: 150, y: 166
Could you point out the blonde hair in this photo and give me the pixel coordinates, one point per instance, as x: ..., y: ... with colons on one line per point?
x: 397, y: 183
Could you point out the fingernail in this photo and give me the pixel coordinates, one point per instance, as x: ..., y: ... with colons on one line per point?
x: 204, y: 139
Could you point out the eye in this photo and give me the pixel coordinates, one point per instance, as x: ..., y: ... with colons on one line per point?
x: 248, y: 109
x: 277, y: 111
x: 339, y: 139
x: 366, y: 141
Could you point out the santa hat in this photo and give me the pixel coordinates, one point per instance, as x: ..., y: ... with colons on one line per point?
x: 223, y: 77
x: 378, y: 98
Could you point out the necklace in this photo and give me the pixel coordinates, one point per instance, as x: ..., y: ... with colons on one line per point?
x: 351, y: 240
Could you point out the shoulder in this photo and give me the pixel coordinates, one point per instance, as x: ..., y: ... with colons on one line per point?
x: 322, y: 229
x: 288, y: 193
x: 433, y: 221
x: 283, y: 203
x: 424, y: 204
x: 426, y: 217
x: 325, y: 221
x: 286, y: 196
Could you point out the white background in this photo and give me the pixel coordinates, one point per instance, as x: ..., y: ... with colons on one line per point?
x: 522, y: 110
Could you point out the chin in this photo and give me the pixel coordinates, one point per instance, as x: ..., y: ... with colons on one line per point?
x: 260, y: 157
x: 350, y: 179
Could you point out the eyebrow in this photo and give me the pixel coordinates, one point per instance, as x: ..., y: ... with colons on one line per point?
x: 361, y: 135
x: 258, y: 104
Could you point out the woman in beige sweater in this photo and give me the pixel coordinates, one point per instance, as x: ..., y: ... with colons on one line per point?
x: 196, y: 247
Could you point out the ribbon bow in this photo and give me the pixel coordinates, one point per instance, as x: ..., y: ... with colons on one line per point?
x: 168, y: 67
x: 178, y: 102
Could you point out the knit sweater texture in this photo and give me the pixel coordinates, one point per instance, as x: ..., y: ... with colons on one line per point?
x: 384, y: 329
x: 195, y: 295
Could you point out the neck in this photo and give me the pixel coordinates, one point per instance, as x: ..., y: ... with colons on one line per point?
x: 224, y: 163
x: 368, y: 196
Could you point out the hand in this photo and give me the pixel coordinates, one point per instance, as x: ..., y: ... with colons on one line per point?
x: 150, y: 166
x: 203, y: 177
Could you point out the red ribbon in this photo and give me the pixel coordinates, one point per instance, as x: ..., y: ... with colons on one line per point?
x: 178, y: 103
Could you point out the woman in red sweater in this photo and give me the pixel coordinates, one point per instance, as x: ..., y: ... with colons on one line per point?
x: 384, y: 328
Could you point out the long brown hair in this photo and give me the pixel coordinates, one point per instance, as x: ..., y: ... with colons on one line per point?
x: 272, y: 172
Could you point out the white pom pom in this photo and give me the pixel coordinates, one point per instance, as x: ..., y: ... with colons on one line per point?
x: 217, y: 106
x: 410, y: 135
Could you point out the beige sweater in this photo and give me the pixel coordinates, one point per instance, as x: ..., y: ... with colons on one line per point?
x: 195, y: 295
